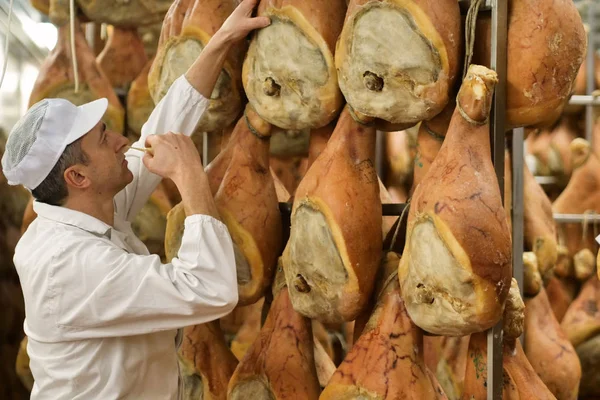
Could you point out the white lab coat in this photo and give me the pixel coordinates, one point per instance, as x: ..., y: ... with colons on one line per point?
x: 101, y: 312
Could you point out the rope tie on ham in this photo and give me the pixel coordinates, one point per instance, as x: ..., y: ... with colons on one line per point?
x: 388, y: 280
x: 399, y: 223
x: 10, y: 8
x: 469, y: 119
x: 470, y: 25
x: 73, y: 52
x: 433, y: 134
x: 586, y: 222
x: 357, y: 119
x: 253, y: 130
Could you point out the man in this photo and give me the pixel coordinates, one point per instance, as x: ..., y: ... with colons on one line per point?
x: 102, y: 314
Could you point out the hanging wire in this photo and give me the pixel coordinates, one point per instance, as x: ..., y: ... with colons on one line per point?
x: 6, y: 47
x: 73, y: 54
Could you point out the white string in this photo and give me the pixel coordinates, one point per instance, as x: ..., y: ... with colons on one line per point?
x: 10, y: 7
x: 73, y: 55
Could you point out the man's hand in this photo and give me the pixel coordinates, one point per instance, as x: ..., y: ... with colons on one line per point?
x: 174, y: 155
x: 240, y: 23
x: 205, y: 70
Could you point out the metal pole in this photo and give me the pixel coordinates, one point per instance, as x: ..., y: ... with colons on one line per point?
x: 517, y: 205
x: 498, y: 63
x: 518, y: 166
x: 379, y: 153
x: 576, y: 218
x: 205, y: 160
x: 589, y: 111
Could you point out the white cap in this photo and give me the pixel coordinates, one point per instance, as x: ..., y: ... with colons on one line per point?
x: 40, y: 137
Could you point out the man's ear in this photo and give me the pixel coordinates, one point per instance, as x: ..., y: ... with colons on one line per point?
x: 76, y: 177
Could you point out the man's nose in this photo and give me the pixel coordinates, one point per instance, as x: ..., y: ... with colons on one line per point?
x: 120, y: 141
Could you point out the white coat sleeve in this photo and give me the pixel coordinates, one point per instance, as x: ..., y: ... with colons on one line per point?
x: 179, y: 111
x: 127, y: 294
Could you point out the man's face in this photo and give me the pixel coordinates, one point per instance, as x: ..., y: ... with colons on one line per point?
x: 107, y: 167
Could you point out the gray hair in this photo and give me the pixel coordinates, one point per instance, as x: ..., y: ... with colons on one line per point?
x: 53, y: 189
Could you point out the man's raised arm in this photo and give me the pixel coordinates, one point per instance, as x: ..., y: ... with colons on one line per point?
x: 182, y: 107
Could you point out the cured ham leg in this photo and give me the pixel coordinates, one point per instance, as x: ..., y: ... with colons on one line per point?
x: 548, y: 349
x: 289, y: 73
x: 539, y: 228
x: 241, y: 181
x: 247, y: 202
x: 187, y: 28
x: 57, y: 78
x: 580, y: 197
x: 205, y: 360
x: 532, y: 278
x: 450, y: 370
x: 123, y: 57
x: 335, y: 242
x: 130, y: 13
x: 399, y: 158
x: 456, y: 268
x: 280, y: 364
x: 582, y: 325
x: 539, y: 79
x: 429, y: 142
x: 139, y: 103
x: 386, y: 362
x: 520, y: 381
x: 561, y: 293
x: 398, y: 60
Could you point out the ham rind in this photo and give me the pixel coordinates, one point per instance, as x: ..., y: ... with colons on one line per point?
x: 289, y: 73
x: 545, y: 48
x: 187, y: 28
x: 456, y: 268
x: 387, y: 361
x: 548, y: 349
x: 335, y: 242
x: 123, y: 57
x: 398, y: 60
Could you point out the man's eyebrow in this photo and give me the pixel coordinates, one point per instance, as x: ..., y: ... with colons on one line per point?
x: 102, y: 132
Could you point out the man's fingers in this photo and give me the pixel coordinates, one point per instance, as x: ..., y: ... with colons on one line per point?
x: 248, y: 5
x: 150, y: 140
x: 259, y: 22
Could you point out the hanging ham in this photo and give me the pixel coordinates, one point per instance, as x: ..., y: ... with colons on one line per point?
x: 280, y: 364
x: 582, y: 325
x: 335, y: 241
x: 205, y: 361
x: 545, y: 48
x: 539, y: 228
x: 520, y: 380
x: 398, y: 60
x: 399, y: 159
x: 248, y: 204
x: 531, y: 274
x: 57, y: 78
x: 245, y: 195
x: 450, y: 370
x: 561, y: 293
x: 581, y: 196
x: 289, y: 73
x: 130, y: 13
x: 387, y: 360
x: 429, y: 141
x: 456, y: 267
x: 139, y: 104
x: 123, y: 56
x: 187, y: 28
x: 548, y: 349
